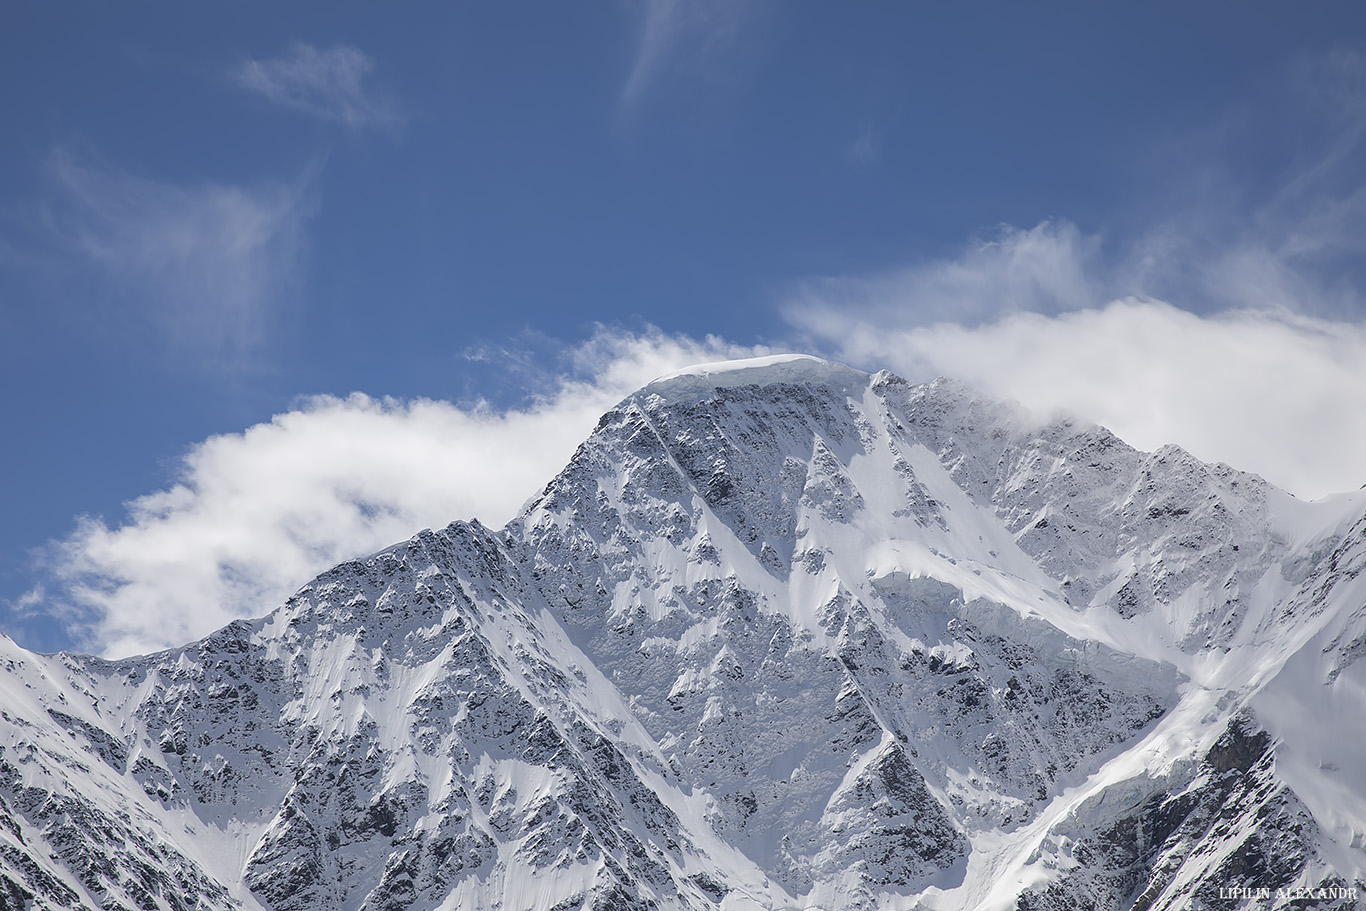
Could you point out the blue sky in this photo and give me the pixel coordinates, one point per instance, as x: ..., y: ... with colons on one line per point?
x: 218, y: 222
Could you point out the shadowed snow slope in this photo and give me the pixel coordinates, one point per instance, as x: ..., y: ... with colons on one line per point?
x: 781, y: 635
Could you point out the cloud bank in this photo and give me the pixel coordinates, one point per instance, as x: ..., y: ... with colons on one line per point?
x: 326, y: 84
x: 255, y: 514
x: 1265, y: 391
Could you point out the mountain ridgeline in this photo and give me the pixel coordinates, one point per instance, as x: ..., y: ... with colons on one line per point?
x: 781, y: 635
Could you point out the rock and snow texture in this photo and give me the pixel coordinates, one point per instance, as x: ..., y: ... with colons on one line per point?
x: 782, y: 635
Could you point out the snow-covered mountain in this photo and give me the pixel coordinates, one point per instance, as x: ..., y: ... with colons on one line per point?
x: 781, y: 635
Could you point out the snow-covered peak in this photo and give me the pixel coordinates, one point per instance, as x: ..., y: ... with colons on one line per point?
x: 781, y: 635
x: 701, y: 380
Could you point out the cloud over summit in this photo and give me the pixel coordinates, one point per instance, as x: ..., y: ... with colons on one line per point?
x: 253, y: 515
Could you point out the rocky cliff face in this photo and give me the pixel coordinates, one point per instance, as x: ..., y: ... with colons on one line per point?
x: 781, y: 635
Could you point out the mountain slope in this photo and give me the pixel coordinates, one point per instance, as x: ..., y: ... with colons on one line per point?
x: 780, y: 635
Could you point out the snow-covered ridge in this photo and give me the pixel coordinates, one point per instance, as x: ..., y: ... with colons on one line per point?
x: 701, y: 380
x: 782, y: 635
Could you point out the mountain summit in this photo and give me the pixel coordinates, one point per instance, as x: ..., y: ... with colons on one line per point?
x: 781, y: 635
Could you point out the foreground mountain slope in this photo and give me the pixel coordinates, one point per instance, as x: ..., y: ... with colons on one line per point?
x: 781, y: 635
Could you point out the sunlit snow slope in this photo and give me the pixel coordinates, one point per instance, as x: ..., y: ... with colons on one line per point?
x: 781, y: 635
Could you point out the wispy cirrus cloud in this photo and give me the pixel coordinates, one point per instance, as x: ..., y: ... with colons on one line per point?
x: 327, y: 84
x: 864, y: 149
x: 1048, y: 268
x: 204, y: 265
x: 1287, y: 231
x: 683, y: 37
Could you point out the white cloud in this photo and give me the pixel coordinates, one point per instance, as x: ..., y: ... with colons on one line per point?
x: 1264, y: 391
x: 325, y: 84
x: 203, y: 264
x: 255, y: 514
